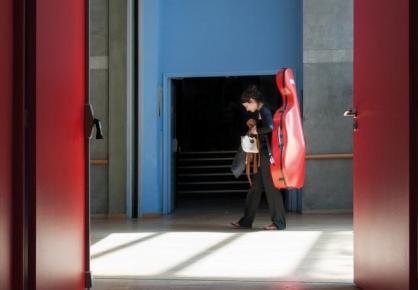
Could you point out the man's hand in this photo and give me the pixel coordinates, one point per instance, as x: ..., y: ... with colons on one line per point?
x: 253, y: 130
x: 286, y: 91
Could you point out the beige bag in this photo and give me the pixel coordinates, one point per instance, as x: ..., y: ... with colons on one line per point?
x: 249, y: 144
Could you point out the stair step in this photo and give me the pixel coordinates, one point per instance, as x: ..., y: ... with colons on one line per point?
x: 209, y: 177
x: 203, y: 166
x: 203, y: 174
x: 212, y: 191
x: 206, y: 159
x: 208, y: 173
x: 212, y: 182
x: 207, y: 152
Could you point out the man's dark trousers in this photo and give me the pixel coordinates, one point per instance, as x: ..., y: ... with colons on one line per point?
x: 262, y: 182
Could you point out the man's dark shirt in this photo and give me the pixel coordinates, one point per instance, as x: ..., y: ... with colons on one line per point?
x: 265, y: 128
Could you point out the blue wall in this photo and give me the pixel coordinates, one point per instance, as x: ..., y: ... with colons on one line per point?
x: 207, y: 37
x: 150, y: 82
x: 230, y: 35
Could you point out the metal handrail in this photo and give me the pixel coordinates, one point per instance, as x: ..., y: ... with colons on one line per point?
x: 322, y: 156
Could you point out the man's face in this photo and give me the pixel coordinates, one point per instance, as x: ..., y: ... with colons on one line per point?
x: 251, y: 105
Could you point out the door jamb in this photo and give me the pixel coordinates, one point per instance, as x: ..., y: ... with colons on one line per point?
x: 88, y: 280
x: 166, y: 142
x: 413, y: 123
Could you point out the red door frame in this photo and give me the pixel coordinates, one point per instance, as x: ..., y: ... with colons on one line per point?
x: 6, y: 148
x: 23, y: 267
x: 87, y: 135
x: 23, y: 82
x: 33, y: 41
x: 413, y: 141
x: 19, y: 199
x: 20, y: 229
x: 385, y: 211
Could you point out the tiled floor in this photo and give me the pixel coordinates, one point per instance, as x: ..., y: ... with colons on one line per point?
x: 126, y: 284
x: 190, y: 250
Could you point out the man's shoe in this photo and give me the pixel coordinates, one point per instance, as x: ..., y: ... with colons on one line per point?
x: 271, y: 227
x: 236, y: 225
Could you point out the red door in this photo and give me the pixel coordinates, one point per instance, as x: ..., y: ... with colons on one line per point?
x: 384, y: 211
x: 6, y: 93
x: 58, y: 241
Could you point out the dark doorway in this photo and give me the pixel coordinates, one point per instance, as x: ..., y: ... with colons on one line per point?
x: 209, y: 116
x: 208, y: 124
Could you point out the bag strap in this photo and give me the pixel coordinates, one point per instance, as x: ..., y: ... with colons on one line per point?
x: 247, y: 168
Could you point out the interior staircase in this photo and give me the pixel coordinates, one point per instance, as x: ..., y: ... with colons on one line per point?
x: 208, y: 174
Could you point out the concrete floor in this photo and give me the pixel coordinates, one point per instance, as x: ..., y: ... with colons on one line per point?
x: 190, y: 250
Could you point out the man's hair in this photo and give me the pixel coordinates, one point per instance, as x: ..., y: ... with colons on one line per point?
x: 251, y: 92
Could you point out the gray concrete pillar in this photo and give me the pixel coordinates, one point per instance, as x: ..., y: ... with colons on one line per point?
x: 118, y: 115
x: 328, y: 90
x: 99, y: 98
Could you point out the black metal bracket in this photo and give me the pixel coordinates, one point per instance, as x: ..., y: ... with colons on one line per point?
x: 88, y: 278
x: 90, y: 122
x: 98, y: 125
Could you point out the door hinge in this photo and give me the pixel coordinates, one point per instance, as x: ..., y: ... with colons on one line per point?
x: 88, y: 120
x: 88, y: 278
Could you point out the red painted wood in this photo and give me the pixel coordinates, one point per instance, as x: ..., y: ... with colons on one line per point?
x: 382, y: 213
x: 60, y: 175
x: 6, y: 95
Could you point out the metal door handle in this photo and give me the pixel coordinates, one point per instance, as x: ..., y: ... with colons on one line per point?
x: 350, y: 113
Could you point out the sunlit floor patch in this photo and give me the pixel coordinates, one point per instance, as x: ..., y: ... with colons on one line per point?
x: 255, y: 255
x: 153, y: 256
x: 315, y: 250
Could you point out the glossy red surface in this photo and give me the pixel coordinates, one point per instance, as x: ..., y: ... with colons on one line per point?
x: 288, y: 170
x: 6, y: 95
x: 382, y: 235
x: 60, y: 175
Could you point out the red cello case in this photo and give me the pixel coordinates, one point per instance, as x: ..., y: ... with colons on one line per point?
x: 288, y: 143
